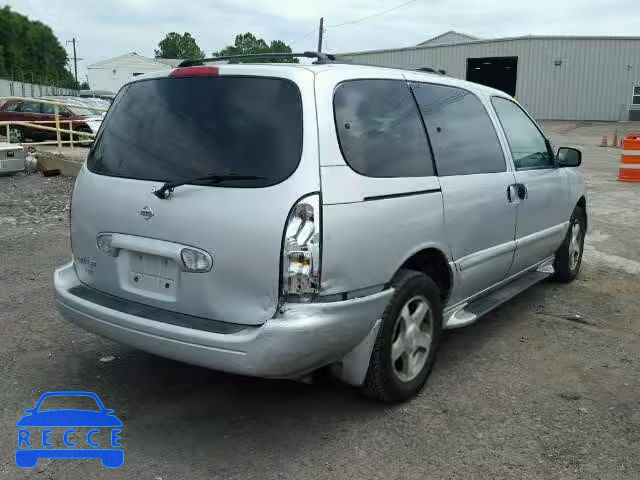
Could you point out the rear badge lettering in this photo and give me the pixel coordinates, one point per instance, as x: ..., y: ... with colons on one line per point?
x: 88, y: 264
x: 146, y: 212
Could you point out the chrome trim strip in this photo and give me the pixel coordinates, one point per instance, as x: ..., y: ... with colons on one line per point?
x: 481, y: 256
x: 404, y: 194
x: 542, y: 234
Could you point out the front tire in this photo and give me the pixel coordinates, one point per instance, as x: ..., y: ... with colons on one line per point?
x: 83, y: 140
x: 569, y: 255
x: 405, y: 349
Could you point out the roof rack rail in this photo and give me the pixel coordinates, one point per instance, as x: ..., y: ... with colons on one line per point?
x: 431, y: 70
x: 350, y: 61
x: 321, y: 58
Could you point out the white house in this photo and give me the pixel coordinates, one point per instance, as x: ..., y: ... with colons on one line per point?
x: 114, y: 73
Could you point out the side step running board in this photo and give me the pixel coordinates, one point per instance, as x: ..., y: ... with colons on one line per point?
x: 471, y: 312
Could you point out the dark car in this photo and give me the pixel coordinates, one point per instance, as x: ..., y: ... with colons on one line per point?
x: 84, y: 120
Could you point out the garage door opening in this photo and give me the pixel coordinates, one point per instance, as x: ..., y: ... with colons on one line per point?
x: 495, y: 72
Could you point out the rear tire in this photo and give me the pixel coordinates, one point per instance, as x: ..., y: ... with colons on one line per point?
x: 569, y: 255
x: 16, y: 135
x: 406, y: 346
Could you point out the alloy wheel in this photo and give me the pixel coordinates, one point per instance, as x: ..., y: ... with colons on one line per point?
x: 575, y: 246
x: 412, y: 336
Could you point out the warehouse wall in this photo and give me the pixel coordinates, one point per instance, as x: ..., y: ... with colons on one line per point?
x: 9, y: 88
x: 594, y: 81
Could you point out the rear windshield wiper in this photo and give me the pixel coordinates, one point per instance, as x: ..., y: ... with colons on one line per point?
x: 212, y: 178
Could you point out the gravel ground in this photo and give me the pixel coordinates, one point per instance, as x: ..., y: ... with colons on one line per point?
x: 547, y: 386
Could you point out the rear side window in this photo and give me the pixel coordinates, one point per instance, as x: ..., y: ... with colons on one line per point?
x: 182, y: 128
x: 12, y: 107
x: 463, y: 138
x: 380, y: 131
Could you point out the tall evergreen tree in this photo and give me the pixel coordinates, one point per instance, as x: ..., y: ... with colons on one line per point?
x: 29, y: 50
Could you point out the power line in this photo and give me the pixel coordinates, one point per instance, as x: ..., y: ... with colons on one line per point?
x: 368, y: 17
x: 304, y: 36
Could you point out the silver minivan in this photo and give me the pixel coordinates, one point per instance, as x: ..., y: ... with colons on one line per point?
x: 277, y: 219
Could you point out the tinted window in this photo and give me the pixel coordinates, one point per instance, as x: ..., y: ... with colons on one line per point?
x: 528, y: 146
x: 461, y: 133
x: 380, y: 131
x: 48, y: 109
x: 30, y: 107
x: 181, y: 128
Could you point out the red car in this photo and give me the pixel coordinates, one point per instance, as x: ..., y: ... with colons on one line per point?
x: 29, y: 111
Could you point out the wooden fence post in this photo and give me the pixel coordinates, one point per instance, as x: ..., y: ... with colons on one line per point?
x: 56, y: 110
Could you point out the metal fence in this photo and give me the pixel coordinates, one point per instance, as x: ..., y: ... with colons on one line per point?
x: 14, y: 88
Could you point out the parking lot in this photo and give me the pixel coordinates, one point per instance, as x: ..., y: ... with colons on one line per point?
x: 547, y: 386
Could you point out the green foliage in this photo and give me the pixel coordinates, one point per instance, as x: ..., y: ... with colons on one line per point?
x: 248, y: 43
x: 175, y: 45
x: 84, y: 86
x: 29, y: 50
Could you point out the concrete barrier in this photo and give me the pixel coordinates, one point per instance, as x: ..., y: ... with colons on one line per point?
x: 51, y: 160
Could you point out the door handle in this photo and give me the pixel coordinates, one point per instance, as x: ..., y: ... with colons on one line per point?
x: 513, y: 194
x: 517, y: 192
x: 523, y: 193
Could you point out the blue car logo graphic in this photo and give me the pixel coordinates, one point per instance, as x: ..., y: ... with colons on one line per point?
x: 33, y: 446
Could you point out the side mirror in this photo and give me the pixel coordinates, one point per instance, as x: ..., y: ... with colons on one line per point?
x: 569, y: 157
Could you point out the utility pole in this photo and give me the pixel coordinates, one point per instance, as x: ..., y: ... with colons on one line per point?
x: 320, y: 33
x: 75, y: 58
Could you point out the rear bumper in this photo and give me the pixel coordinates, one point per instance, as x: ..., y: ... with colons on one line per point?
x: 300, y: 339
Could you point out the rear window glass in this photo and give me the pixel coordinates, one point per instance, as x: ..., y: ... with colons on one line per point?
x: 181, y: 128
x: 11, y: 107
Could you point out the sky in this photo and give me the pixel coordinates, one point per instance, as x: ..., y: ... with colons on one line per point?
x: 108, y: 28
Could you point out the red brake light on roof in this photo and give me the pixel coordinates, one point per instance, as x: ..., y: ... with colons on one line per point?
x: 197, y: 71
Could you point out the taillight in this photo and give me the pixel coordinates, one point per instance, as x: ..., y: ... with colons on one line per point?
x: 196, y: 71
x: 104, y: 242
x: 301, y: 251
x: 195, y: 261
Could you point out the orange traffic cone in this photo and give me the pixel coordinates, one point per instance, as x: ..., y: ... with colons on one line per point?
x: 604, y: 141
x: 630, y: 159
x: 614, y: 143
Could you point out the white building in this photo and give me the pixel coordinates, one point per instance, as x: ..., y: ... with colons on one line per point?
x: 114, y: 73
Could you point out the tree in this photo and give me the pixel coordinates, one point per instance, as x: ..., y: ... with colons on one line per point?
x: 30, y: 51
x: 175, y: 45
x: 84, y: 86
x: 248, y: 43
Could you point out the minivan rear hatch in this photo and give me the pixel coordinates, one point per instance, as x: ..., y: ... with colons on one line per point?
x: 252, y: 121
